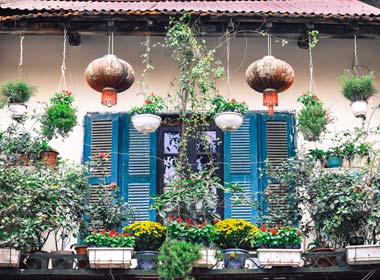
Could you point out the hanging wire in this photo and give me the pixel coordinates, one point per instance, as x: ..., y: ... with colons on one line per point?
x: 62, y: 82
x: 112, y: 42
x: 21, y: 61
x: 312, y: 87
x: 269, y: 44
x: 228, y: 64
x: 356, y: 61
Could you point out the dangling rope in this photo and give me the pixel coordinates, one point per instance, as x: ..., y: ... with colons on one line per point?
x: 356, y: 61
x: 228, y: 65
x: 269, y: 44
x: 21, y: 61
x: 110, y: 43
x: 312, y: 87
x: 62, y: 82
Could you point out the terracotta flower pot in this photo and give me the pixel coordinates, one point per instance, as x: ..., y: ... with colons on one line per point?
x: 50, y: 157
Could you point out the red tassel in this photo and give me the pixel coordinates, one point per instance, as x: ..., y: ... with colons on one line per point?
x: 109, y: 97
x: 270, y: 99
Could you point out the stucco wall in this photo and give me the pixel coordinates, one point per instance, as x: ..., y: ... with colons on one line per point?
x: 43, y: 58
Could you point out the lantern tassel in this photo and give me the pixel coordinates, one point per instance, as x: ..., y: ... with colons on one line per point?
x: 270, y: 99
x: 109, y: 97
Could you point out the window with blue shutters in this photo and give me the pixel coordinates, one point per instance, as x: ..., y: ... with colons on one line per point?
x: 136, y: 157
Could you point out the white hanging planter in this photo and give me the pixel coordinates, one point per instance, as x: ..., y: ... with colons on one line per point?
x: 359, y: 108
x: 104, y: 257
x: 146, y: 123
x: 363, y: 254
x: 207, y: 259
x: 229, y: 121
x: 17, y: 110
x: 9, y: 257
x: 279, y: 257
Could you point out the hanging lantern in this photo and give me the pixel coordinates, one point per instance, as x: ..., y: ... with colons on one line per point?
x: 270, y: 76
x: 109, y: 75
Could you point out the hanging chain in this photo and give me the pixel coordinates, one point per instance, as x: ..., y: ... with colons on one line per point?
x: 21, y: 61
x: 62, y: 82
x: 228, y: 65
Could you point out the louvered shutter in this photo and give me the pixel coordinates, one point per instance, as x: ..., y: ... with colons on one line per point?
x: 138, y: 169
x: 240, y: 153
x: 280, y: 143
x: 101, y: 136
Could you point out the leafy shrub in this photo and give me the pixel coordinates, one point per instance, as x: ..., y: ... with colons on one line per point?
x: 110, y: 239
x: 356, y: 88
x: 15, y: 92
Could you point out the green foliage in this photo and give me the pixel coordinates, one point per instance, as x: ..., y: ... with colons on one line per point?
x: 277, y: 237
x: 149, y: 236
x: 60, y: 118
x: 37, y: 201
x: 110, y: 239
x: 190, y: 231
x: 17, y: 91
x: 220, y: 104
x: 317, y: 154
x: 357, y: 88
x: 313, y: 38
x: 152, y: 105
x: 312, y: 118
x: 176, y: 259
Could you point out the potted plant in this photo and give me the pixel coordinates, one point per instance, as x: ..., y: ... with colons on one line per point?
x: 313, y: 118
x: 16, y: 94
x: 202, y: 234
x: 334, y: 157
x: 149, y: 237
x: 232, y: 236
x: 48, y: 154
x: 358, y: 89
x: 228, y: 113
x: 278, y: 246
x: 318, y: 155
x: 176, y: 258
x: 144, y: 118
x: 110, y: 249
x: 59, y: 118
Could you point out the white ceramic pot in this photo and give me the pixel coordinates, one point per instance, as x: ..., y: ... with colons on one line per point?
x: 9, y: 257
x: 363, y: 254
x: 207, y: 259
x: 146, y: 123
x: 279, y: 257
x: 104, y: 257
x: 359, y: 108
x: 229, y: 121
x: 17, y: 110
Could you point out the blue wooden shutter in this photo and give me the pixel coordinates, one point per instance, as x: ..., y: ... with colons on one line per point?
x: 138, y: 169
x: 245, y: 151
x: 240, y: 154
x: 279, y: 143
x: 101, y: 136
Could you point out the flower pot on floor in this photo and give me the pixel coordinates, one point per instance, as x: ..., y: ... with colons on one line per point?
x: 104, y: 257
x: 235, y: 258
x: 58, y: 262
x: 207, y: 259
x: 359, y: 108
x: 50, y: 157
x: 146, y: 123
x: 363, y: 254
x: 82, y: 251
x: 229, y: 121
x: 334, y: 162
x: 146, y: 259
x: 279, y: 257
x: 9, y: 257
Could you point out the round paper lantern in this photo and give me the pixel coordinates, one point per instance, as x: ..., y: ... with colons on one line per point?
x: 270, y: 76
x: 109, y: 75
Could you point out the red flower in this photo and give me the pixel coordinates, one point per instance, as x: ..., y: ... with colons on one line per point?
x: 113, y: 233
x: 195, y: 224
x: 152, y: 93
x: 187, y: 226
x: 233, y: 100
x: 179, y: 220
x: 188, y: 221
x: 93, y: 230
x: 148, y: 101
x: 264, y: 227
x: 278, y: 226
x: 170, y: 216
x: 203, y: 223
x: 112, y: 185
x: 215, y: 221
x: 127, y: 234
x: 243, y: 102
x: 102, y: 155
x: 102, y: 231
x: 298, y: 233
x: 273, y: 231
x: 315, y: 97
x: 67, y: 92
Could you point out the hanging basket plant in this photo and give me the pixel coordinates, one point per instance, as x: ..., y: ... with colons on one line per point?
x: 313, y: 118
x: 60, y: 118
x: 358, y: 89
x: 15, y: 94
x: 144, y: 118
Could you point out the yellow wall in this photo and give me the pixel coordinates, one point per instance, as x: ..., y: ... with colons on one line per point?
x: 43, y: 58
